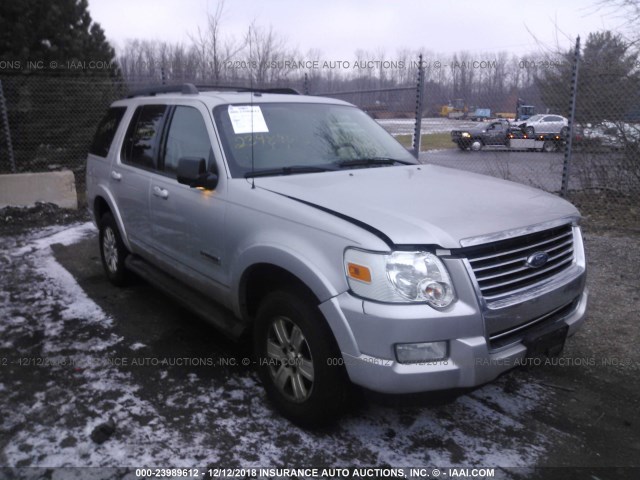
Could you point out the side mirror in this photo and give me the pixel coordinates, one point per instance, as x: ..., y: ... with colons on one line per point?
x: 192, y: 171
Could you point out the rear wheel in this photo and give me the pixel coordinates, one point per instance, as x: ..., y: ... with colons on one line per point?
x: 112, y: 251
x: 299, y: 362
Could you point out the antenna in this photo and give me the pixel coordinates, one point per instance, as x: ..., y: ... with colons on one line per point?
x: 253, y: 178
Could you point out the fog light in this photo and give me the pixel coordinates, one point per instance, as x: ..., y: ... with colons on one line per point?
x: 421, y: 352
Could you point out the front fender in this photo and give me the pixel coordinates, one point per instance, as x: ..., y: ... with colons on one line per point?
x: 307, y: 269
x: 304, y: 267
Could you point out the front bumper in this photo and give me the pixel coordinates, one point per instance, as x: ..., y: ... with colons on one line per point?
x: 471, y: 360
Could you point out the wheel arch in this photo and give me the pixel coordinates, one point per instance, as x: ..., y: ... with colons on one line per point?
x: 263, y: 278
x: 103, y: 203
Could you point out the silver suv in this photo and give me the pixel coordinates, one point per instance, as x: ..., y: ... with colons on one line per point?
x: 300, y: 221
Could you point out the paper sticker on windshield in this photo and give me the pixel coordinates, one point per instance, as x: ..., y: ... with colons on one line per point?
x: 245, y: 116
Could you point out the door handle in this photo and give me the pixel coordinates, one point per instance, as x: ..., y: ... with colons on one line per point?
x: 116, y: 176
x: 160, y: 192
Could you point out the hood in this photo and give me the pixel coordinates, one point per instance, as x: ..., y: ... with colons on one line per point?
x: 425, y: 204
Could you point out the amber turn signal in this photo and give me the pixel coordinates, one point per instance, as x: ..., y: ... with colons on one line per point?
x: 359, y: 272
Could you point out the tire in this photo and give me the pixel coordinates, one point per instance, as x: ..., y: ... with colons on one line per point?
x: 549, y: 146
x: 563, y: 132
x: 112, y: 251
x: 476, y: 145
x: 297, y: 357
x: 529, y: 131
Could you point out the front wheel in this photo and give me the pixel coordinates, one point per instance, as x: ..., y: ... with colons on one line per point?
x: 476, y: 145
x: 299, y: 362
x: 529, y: 131
x: 112, y: 251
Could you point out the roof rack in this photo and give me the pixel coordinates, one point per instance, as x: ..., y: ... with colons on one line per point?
x: 279, y: 90
x: 191, y: 89
x: 185, y: 88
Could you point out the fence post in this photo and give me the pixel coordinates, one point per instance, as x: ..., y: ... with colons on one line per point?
x: 4, y: 117
x: 568, y: 146
x: 417, y: 131
x: 305, y: 85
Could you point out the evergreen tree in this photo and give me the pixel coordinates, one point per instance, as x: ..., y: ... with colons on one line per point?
x: 608, y: 80
x: 59, y: 75
x: 60, y: 31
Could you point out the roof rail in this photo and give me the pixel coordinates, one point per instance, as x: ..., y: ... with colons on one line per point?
x: 191, y: 89
x: 283, y: 90
x: 185, y: 88
x: 279, y: 90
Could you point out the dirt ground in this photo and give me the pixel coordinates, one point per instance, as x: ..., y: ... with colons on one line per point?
x: 96, y: 376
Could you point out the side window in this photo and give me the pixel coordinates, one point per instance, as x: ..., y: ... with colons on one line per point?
x: 187, y: 137
x: 106, y: 131
x: 141, y: 143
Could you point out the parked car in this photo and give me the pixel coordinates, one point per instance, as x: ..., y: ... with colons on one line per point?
x: 543, y: 124
x: 611, y: 135
x: 301, y: 222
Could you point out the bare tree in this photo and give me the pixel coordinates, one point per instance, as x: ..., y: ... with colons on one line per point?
x: 214, y: 50
x: 629, y: 13
x: 267, y: 56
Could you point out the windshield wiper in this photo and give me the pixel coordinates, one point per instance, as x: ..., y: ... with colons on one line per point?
x: 372, y: 161
x: 286, y: 171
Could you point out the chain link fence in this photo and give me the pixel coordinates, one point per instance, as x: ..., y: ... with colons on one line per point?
x: 582, y: 118
x: 579, y: 119
x: 47, y: 122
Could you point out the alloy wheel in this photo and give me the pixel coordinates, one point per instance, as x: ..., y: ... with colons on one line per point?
x: 290, y: 360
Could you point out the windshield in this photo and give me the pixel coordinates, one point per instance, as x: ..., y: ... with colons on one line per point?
x: 303, y: 138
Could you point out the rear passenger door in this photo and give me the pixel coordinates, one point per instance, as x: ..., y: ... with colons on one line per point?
x: 131, y: 176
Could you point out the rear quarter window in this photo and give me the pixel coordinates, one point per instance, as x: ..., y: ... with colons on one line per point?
x: 106, y: 131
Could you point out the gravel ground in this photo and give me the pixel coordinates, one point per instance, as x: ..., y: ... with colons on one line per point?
x: 90, y: 376
x: 15, y: 220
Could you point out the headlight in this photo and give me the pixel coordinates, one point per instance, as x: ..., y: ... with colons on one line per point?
x: 466, y: 134
x: 399, y: 277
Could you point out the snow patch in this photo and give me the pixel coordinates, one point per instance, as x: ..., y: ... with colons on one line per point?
x: 191, y: 420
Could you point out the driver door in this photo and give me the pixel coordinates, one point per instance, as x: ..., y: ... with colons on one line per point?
x: 495, y: 134
x: 187, y: 222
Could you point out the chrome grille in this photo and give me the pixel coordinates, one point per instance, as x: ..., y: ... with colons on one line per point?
x: 501, y: 267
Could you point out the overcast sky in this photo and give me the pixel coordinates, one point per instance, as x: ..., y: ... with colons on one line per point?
x: 339, y: 27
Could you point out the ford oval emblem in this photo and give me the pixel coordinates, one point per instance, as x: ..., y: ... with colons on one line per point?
x: 537, y: 260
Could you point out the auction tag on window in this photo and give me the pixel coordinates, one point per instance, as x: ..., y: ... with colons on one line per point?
x: 246, y: 116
